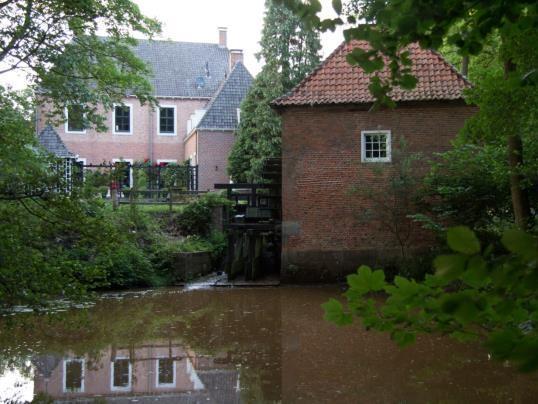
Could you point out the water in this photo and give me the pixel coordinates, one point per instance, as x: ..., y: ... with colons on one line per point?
x: 259, y: 345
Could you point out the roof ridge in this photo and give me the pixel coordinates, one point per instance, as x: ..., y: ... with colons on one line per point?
x: 335, y: 81
x: 170, y: 41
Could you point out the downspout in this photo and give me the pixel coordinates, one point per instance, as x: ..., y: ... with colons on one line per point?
x: 150, y: 135
x: 36, y: 120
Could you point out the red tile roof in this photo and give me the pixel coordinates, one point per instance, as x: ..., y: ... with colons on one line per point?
x: 335, y: 81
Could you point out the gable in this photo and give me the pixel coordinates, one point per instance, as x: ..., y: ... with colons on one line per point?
x: 51, y: 141
x: 221, y: 112
x: 335, y: 81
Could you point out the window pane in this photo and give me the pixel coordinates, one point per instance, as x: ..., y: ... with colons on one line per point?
x: 375, y: 146
x: 123, y: 118
x: 75, y: 121
x: 166, y: 371
x: 121, y: 373
x: 73, y: 375
x: 166, y: 123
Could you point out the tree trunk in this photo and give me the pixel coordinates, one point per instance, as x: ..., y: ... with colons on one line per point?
x: 520, y: 197
x: 465, y: 65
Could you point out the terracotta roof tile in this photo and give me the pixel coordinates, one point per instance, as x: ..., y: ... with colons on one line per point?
x: 335, y: 81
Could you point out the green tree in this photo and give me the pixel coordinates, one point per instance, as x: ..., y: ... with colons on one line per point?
x: 56, y: 43
x: 55, y: 243
x: 290, y: 50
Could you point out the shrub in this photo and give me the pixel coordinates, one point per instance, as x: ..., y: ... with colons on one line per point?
x: 195, y: 219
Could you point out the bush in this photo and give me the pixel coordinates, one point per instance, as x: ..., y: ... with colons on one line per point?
x: 195, y: 219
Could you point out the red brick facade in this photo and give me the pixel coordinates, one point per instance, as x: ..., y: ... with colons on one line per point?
x: 144, y: 142
x: 323, y: 239
x: 213, y: 148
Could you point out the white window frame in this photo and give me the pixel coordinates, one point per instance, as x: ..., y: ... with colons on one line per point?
x: 65, y: 361
x: 165, y: 385
x: 159, y: 120
x: 170, y: 161
x: 66, y: 125
x: 112, y: 369
x: 388, y: 135
x: 130, y: 161
x: 130, y: 119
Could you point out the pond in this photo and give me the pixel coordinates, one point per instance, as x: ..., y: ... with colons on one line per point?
x: 239, y: 345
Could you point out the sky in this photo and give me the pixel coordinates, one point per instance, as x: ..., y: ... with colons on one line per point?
x: 198, y: 21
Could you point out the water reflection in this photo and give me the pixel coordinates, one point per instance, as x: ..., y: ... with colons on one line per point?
x: 237, y: 346
x: 158, y: 370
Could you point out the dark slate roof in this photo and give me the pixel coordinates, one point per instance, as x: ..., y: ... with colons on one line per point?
x: 176, y: 67
x: 51, y: 141
x: 335, y: 81
x: 221, y: 385
x: 221, y: 112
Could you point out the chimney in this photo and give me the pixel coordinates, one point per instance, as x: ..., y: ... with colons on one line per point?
x: 223, y: 34
x: 236, y: 55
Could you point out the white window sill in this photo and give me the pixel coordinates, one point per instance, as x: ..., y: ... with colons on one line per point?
x: 166, y: 134
x: 122, y: 133
x: 73, y: 132
x: 376, y: 161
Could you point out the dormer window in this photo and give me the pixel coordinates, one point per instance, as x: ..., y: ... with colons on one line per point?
x: 123, y: 119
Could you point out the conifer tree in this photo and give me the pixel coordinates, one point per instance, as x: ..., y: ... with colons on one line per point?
x: 290, y: 50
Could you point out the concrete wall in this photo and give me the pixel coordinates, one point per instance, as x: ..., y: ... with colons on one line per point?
x: 144, y: 142
x: 324, y: 237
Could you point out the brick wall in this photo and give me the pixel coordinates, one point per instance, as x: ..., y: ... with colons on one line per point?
x: 213, y: 150
x: 143, y: 143
x: 324, y: 236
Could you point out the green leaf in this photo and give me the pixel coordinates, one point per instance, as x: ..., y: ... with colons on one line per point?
x: 450, y: 266
x: 476, y: 274
x: 463, y: 240
x: 365, y: 280
x: 337, y: 6
x: 520, y: 243
x: 408, y: 81
x: 334, y: 312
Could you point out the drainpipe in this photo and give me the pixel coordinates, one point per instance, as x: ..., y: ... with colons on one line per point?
x: 150, y: 134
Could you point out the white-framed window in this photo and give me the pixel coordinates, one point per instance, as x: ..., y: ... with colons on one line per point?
x: 128, y: 178
x: 73, y: 375
x: 165, y: 376
x: 167, y: 120
x: 122, y: 119
x: 74, y: 119
x: 120, y: 374
x: 376, y: 146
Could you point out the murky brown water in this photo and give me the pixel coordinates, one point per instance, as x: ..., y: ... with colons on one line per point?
x: 237, y: 346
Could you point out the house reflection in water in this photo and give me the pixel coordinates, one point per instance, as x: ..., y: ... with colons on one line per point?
x: 159, y: 371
